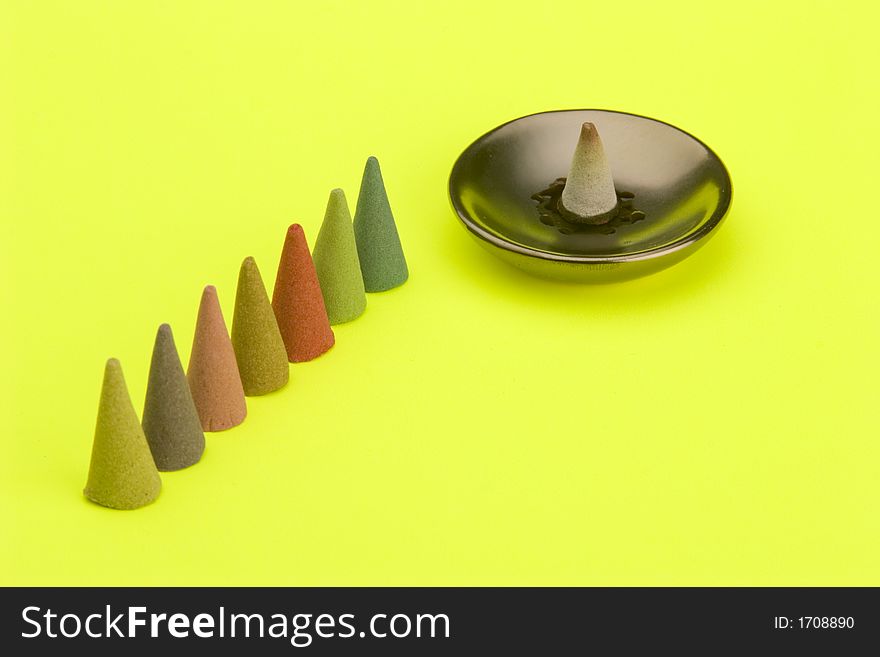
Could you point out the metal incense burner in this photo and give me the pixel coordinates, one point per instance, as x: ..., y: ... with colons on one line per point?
x: 590, y: 195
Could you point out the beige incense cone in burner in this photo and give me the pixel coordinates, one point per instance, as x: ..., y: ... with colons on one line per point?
x: 589, y: 196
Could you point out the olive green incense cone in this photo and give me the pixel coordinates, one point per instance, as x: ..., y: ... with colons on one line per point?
x: 122, y: 474
x: 336, y: 261
x: 381, y: 256
x: 171, y: 422
x: 259, y: 348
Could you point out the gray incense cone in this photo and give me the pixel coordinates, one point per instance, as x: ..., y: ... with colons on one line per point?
x: 171, y: 422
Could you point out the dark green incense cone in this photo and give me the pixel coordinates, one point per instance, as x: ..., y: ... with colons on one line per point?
x: 259, y: 348
x: 122, y: 474
x: 336, y: 261
x: 381, y: 256
x: 171, y: 421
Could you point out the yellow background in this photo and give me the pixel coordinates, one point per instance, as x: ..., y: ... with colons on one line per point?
x: 713, y: 424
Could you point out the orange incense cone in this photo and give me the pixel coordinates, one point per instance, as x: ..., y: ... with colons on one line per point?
x: 298, y: 302
x: 213, y: 372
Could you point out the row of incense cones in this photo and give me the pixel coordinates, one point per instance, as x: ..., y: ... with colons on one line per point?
x: 312, y: 292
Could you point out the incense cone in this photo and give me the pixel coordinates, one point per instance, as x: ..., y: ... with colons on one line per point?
x: 383, y: 264
x: 122, y: 474
x: 337, y: 264
x: 259, y: 348
x: 298, y: 302
x: 213, y: 373
x: 589, y: 196
x: 171, y: 422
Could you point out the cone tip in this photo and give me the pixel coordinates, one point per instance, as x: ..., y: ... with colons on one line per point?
x: 164, y: 337
x: 113, y: 376
x: 209, y: 295
x: 588, y: 129
x: 337, y: 204
x: 295, y: 229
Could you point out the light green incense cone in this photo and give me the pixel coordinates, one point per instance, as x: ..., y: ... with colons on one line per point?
x: 382, y: 262
x: 259, y: 348
x: 336, y: 261
x: 122, y: 474
x: 171, y: 422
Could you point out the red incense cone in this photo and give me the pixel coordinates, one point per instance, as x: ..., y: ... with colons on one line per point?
x: 298, y: 302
